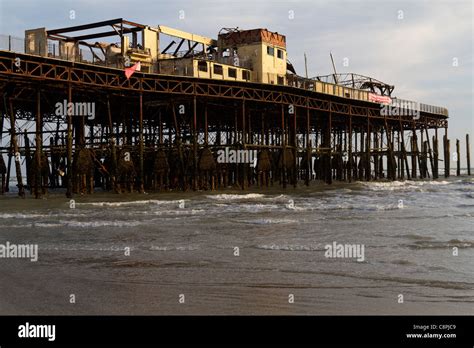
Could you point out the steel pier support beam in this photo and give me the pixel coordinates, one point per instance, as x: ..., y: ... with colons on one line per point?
x: 141, y: 145
x: 349, y: 157
x: 39, y: 143
x: 195, y: 164
x: 308, y: 149
x: 16, y: 153
x: 468, y: 155
x: 69, y: 145
x: 283, y: 140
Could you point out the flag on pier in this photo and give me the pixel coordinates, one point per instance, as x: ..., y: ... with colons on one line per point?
x: 129, y: 71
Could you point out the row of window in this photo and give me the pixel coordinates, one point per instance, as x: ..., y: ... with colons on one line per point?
x: 219, y: 70
x: 271, y: 52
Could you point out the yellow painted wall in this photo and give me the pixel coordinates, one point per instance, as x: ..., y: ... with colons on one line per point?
x: 250, y: 57
x: 266, y: 68
x: 150, y: 40
x: 189, y: 67
x: 346, y: 92
x: 272, y: 66
x: 225, y: 72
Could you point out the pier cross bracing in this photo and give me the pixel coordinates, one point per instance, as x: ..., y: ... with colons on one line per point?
x: 162, y: 128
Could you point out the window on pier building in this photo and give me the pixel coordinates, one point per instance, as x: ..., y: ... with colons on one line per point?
x: 202, y: 66
x: 270, y: 51
x: 232, y: 72
x: 245, y: 75
x: 218, y: 69
x: 280, y: 54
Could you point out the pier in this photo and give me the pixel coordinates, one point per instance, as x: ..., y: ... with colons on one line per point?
x: 157, y: 131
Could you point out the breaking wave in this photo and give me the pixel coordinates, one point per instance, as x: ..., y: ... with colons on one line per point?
x: 103, y: 223
x: 269, y: 221
x: 401, y: 185
x: 424, y: 244
x: 291, y: 247
x: 127, y: 203
x: 174, y: 248
x: 233, y: 197
x: 22, y: 216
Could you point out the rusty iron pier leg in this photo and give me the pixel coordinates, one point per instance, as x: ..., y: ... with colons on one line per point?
x: 468, y: 155
x: 235, y: 171
x: 367, y: 144
x: 195, y: 145
x: 344, y: 154
x: 141, y: 146
x: 361, y: 154
x: 308, y: 146
x: 324, y: 150
x: 182, y: 179
x: 206, y: 133
x: 2, y: 163
x: 413, y: 155
x: 403, y: 150
x: 421, y: 157
x: 349, y: 157
x: 391, y: 173
x: 249, y: 140
x: 376, y: 154
x: 426, y: 173
x: 283, y: 146
x: 418, y: 156
x: 244, y: 147
x: 458, y: 158
x: 447, y: 154
x: 2, y: 117
x: 262, y: 177
x: 399, y: 157
x: 435, y: 155
x: 355, y: 169
x: 430, y: 155
x: 53, y: 175
x: 91, y: 183
x: 69, y: 146
x: 113, y: 152
x: 295, y: 150
x: 160, y: 129
x: 328, y: 173
x: 27, y: 156
x: 380, y: 164
x: 11, y: 150
x: 16, y: 153
x: 401, y: 163
x: 39, y: 143
x: 392, y: 150
x: 113, y: 155
x: 9, y: 166
x: 339, y: 166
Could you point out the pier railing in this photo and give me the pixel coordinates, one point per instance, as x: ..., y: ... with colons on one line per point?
x: 12, y: 43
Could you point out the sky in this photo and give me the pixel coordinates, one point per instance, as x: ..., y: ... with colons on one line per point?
x: 424, y: 48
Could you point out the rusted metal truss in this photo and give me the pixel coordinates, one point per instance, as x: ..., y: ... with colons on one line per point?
x: 359, y: 82
x: 27, y: 69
